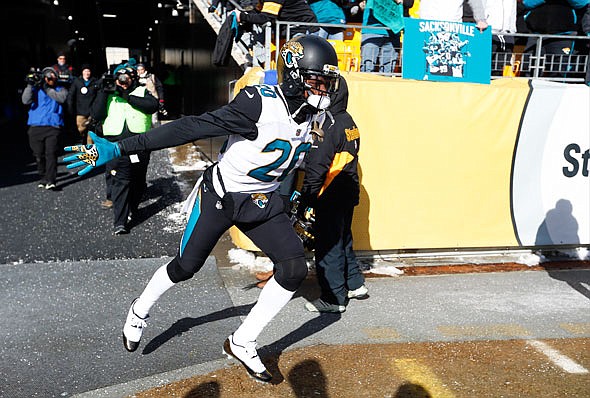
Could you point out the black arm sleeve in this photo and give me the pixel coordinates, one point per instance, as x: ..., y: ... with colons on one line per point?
x: 99, y: 105
x: 258, y: 18
x: 237, y: 117
x: 317, y: 165
x: 147, y: 104
x: 159, y: 88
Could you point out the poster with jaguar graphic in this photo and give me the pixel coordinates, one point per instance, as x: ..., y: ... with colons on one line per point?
x: 446, y: 51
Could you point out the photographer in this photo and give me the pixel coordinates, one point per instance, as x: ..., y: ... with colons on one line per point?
x: 46, y: 121
x: 125, y: 109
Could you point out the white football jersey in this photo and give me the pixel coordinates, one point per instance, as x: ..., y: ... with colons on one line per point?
x: 261, y: 164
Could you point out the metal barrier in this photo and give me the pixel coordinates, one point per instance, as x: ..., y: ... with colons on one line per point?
x: 257, y: 48
x: 537, y: 64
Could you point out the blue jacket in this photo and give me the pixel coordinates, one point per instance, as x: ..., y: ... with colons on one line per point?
x: 326, y: 11
x: 46, y: 111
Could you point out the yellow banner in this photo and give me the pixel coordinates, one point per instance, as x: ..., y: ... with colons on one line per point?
x: 435, y: 161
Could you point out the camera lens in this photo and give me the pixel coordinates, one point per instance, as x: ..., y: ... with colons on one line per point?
x: 124, y: 79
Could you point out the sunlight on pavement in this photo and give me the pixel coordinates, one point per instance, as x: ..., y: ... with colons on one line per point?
x: 421, y: 375
x: 576, y: 328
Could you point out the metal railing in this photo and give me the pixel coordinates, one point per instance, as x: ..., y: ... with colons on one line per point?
x: 257, y: 49
x: 536, y: 64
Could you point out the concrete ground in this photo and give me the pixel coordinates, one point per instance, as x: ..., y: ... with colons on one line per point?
x: 67, y: 283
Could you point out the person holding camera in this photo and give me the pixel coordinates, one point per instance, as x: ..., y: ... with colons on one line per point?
x: 45, y: 121
x: 125, y: 109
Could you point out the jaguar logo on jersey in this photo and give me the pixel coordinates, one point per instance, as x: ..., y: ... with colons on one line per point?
x: 291, y: 52
x: 259, y: 199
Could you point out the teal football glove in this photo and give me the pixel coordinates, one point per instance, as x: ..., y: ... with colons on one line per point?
x: 92, y: 156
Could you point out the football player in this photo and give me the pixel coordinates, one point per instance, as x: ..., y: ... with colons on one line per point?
x: 270, y: 132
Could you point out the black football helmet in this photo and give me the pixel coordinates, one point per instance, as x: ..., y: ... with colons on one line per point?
x: 306, y: 58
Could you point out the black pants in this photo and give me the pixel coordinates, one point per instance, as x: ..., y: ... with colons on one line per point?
x: 556, y: 62
x: 274, y: 235
x: 502, y: 48
x: 127, y: 185
x: 44, y: 142
x: 336, y: 264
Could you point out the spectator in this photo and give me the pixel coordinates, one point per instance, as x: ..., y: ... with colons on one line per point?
x: 353, y: 11
x: 586, y: 30
x: 452, y: 10
x: 46, y: 122
x: 155, y: 87
x: 239, y: 189
x: 282, y: 10
x: 378, y: 46
x: 331, y: 188
x: 554, y: 17
x: 125, y: 111
x: 329, y: 12
x: 271, y: 11
x: 220, y: 7
x: 80, y: 98
x: 501, y: 15
x: 65, y: 73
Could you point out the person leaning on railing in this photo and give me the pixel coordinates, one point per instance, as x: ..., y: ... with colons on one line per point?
x: 281, y: 10
x: 501, y: 15
x: 452, y: 10
x: 378, y: 46
x: 586, y: 29
x: 329, y: 12
x: 557, y: 17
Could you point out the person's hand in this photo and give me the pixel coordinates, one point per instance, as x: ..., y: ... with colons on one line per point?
x: 481, y: 25
x: 161, y: 109
x: 123, y: 92
x: 92, y: 156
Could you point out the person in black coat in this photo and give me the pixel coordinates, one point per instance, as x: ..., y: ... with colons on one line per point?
x: 80, y: 98
x: 586, y: 30
x: 331, y: 188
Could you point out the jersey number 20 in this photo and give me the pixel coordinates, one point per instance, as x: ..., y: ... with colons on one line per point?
x: 284, y: 147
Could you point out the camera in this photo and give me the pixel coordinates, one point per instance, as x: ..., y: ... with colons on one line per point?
x: 107, y: 83
x: 34, y: 77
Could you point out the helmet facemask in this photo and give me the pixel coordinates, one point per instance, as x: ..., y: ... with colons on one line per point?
x: 320, y: 86
x: 308, y: 68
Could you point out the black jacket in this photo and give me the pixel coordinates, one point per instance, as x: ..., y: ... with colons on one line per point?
x: 224, y: 42
x: 283, y: 10
x: 331, y: 166
x: 586, y: 21
x: 81, y: 96
x: 553, y: 17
